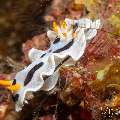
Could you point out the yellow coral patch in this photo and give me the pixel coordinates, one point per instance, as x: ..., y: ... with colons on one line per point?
x: 115, y: 21
x: 78, y: 1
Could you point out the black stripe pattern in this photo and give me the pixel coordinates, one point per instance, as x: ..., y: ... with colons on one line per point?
x: 65, y: 47
x: 43, y: 55
x: 36, y: 67
x: 75, y: 27
x: 31, y: 73
x: 15, y: 97
x: 56, y: 40
x: 14, y: 82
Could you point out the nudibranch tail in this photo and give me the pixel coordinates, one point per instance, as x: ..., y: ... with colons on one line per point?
x: 14, y: 88
x: 5, y: 82
x: 8, y: 85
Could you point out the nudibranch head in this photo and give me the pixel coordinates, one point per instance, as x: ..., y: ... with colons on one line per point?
x: 63, y: 30
x: 67, y: 28
x: 68, y: 39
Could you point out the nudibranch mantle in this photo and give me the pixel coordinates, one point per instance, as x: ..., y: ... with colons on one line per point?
x: 43, y: 63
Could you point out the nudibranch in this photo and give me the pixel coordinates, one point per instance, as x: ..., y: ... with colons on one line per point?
x: 68, y: 39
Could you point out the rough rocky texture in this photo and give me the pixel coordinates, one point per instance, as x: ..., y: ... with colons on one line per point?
x: 6, y: 103
x: 91, y: 88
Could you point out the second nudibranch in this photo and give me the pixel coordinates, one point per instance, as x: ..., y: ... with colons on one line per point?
x: 43, y: 63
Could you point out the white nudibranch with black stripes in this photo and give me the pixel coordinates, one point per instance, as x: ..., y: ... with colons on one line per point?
x: 69, y: 39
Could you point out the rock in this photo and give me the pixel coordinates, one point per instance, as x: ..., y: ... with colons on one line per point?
x: 6, y: 103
